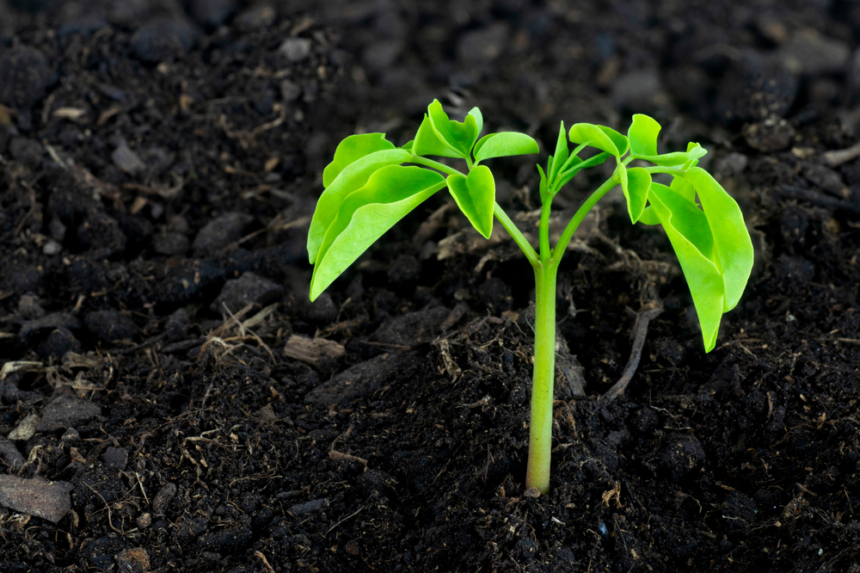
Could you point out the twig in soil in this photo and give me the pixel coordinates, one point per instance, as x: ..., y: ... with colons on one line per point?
x: 345, y: 519
x: 136, y: 347
x: 641, y: 330
x: 265, y: 561
x: 839, y: 156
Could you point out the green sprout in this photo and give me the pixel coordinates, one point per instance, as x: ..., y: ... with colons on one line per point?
x: 368, y: 189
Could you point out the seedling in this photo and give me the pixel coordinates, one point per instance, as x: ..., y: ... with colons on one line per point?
x: 371, y: 184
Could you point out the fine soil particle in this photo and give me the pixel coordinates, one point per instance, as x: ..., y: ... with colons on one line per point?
x: 170, y: 400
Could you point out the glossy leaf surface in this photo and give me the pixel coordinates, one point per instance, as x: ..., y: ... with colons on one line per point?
x: 504, y: 144
x: 561, y: 153
x: 595, y: 136
x: 428, y: 142
x: 692, y: 240
x: 366, y: 214
x: 353, y: 176
x: 733, y: 250
x: 693, y: 153
x: 643, y: 134
x: 459, y: 136
x: 352, y: 149
x: 635, y: 187
x: 476, y: 197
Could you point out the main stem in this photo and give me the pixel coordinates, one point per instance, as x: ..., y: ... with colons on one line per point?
x: 543, y: 377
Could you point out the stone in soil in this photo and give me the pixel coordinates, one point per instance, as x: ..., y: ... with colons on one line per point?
x: 26, y: 77
x: 110, y: 325
x: 247, y: 289
x: 220, y: 233
x: 36, y: 497
x: 65, y: 411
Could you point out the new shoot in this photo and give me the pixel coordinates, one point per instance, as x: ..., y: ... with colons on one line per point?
x: 371, y: 184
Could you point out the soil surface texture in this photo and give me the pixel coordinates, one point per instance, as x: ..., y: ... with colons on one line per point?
x: 170, y: 400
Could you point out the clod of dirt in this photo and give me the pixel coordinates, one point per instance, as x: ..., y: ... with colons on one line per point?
x: 32, y: 329
x: 110, y: 325
x: 255, y: 18
x: 101, y: 231
x: 247, y: 289
x: 814, y: 54
x: 772, y: 134
x: 739, y: 512
x: 308, y: 507
x: 29, y: 307
x: 177, y: 325
x: 164, y: 38
x: 412, y: 328
x: 680, y: 455
x: 116, y: 458
x: 26, y: 77
x: 220, y: 232
x: 170, y: 244
x: 212, y: 13
x: 67, y: 410
x: 404, y: 271
x: 11, y: 455
x: 359, y: 380
x: 60, y: 341
x: 26, y: 151
x: 37, y: 497
x: 322, y: 309
x: 757, y: 87
x: 229, y: 541
x: 134, y: 560
x: 163, y: 498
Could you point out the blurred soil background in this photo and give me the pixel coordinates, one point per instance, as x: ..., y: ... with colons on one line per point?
x: 171, y: 401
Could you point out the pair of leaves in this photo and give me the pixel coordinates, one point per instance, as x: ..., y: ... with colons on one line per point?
x: 367, y: 189
x: 366, y: 214
x: 643, y: 134
x: 712, y: 243
x: 439, y: 135
x: 475, y: 195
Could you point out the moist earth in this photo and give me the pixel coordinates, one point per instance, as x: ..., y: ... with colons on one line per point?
x: 171, y: 400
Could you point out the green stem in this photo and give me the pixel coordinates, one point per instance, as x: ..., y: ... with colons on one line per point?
x: 418, y: 160
x: 543, y: 231
x: 543, y: 377
x: 561, y: 246
x: 517, y: 236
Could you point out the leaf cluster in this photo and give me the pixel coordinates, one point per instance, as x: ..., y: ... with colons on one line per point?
x: 369, y: 186
x: 708, y: 235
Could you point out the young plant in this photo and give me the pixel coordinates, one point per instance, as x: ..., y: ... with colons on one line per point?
x: 371, y: 184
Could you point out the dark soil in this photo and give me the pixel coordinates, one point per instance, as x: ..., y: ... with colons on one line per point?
x: 160, y: 160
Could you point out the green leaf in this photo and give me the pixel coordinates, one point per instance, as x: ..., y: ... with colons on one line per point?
x: 476, y: 197
x: 693, y: 153
x: 479, y: 119
x: 408, y: 145
x: 643, y: 135
x: 428, y: 142
x: 620, y: 141
x: 594, y: 136
x: 544, y: 184
x: 353, y: 176
x: 366, y: 214
x: 732, y: 244
x: 635, y: 186
x: 458, y: 136
x: 683, y: 188
x: 561, y: 153
x: 504, y: 144
x: 352, y: 149
x: 691, y: 238
x: 578, y: 165
x: 649, y: 217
